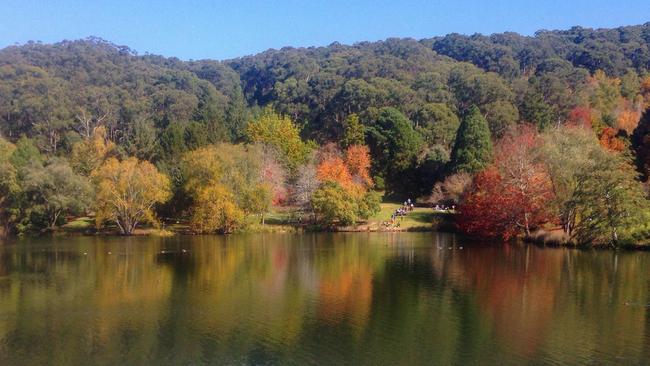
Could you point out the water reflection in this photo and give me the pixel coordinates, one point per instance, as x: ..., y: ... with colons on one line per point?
x: 319, y: 299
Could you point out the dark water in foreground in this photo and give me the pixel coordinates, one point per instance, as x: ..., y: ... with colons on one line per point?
x: 330, y: 299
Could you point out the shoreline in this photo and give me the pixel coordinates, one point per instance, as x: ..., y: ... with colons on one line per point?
x: 292, y: 229
x: 280, y: 222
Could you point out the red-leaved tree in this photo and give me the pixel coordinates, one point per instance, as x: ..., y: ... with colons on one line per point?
x: 581, y: 116
x: 511, y: 197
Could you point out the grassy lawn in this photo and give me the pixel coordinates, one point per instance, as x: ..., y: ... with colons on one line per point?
x: 419, y: 217
x: 278, y: 217
x: 285, y: 220
x: 279, y: 220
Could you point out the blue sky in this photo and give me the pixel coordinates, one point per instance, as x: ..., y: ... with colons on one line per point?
x: 195, y: 29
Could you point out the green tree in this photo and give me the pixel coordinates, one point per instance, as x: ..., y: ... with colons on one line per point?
x: 52, y: 191
x: 473, y: 87
x: 333, y: 205
x: 394, y: 146
x: 472, y: 150
x: 501, y: 116
x: 535, y: 110
x: 568, y: 153
x: 604, y: 95
x: 609, y: 201
x: 437, y: 123
x: 630, y: 84
x: 354, y: 133
x: 641, y: 144
x: 369, y: 204
x: 8, y: 186
x: 141, y: 140
x: 257, y: 200
x: 25, y: 153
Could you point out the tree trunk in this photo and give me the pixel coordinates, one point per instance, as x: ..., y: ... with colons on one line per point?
x: 124, y: 225
x: 526, y: 225
x: 54, y: 218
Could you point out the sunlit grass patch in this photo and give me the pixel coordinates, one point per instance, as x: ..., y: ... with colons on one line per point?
x: 79, y: 224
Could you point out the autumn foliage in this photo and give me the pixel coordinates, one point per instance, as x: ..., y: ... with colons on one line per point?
x: 512, y: 196
x: 628, y: 119
x: 610, y: 141
x: 580, y: 116
x: 357, y: 159
x: 334, y: 169
x: 127, y: 192
x: 351, y: 170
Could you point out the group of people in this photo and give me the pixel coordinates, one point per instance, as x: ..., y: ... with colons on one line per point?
x: 444, y: 208
x: 401, y: 212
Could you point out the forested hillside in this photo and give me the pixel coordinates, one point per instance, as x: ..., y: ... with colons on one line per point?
x: 427, y: 111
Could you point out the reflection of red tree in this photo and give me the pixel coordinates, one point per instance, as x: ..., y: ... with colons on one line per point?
x: 276, y: 279
x: 349, y: 294
x: 516, y: 292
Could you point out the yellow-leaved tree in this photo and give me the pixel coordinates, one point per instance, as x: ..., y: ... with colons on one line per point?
x: 226, y: 183
x: 127, y: 192
x: 280, y: 133
x: 215, y: 210
x: 89, y: 154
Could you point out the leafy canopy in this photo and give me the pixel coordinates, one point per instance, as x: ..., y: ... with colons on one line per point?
x: 127, y: 191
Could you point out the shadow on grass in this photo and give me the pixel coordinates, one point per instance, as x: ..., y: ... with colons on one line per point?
x: 424, y: 217
x: 277, y: 218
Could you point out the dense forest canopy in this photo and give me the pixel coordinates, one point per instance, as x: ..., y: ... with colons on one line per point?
x: 402, y: 98
x: 48, y: 89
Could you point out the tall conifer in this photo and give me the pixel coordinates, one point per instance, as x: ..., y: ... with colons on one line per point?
x: 472, y: 150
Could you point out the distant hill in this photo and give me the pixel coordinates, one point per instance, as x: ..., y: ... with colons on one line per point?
x: 56, y: 92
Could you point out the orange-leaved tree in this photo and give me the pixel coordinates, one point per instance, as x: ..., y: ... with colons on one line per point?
x: 357, y: 158
x: 334, y: 169
x: 610, y: 141
x: 343, y: 194
x: 351, y: 170
x: 628, y: 118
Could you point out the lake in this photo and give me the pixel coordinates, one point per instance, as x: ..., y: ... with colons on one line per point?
x: 326, y: 299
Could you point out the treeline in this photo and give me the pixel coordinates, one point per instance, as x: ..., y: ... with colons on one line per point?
x: 414, y: 105
x: 217, y: 187
x: 614, y: 51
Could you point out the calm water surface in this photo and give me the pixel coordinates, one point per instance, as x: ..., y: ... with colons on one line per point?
x: 330, y: 299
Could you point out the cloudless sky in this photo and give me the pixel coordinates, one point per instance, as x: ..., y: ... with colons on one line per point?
x: 197, y: 29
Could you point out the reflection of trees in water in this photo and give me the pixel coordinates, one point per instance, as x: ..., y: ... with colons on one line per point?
x: 371, y: 298
x: 60, y: 306
x: 568, y: 303
x: 226, y: 292
x: 514, y: 290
